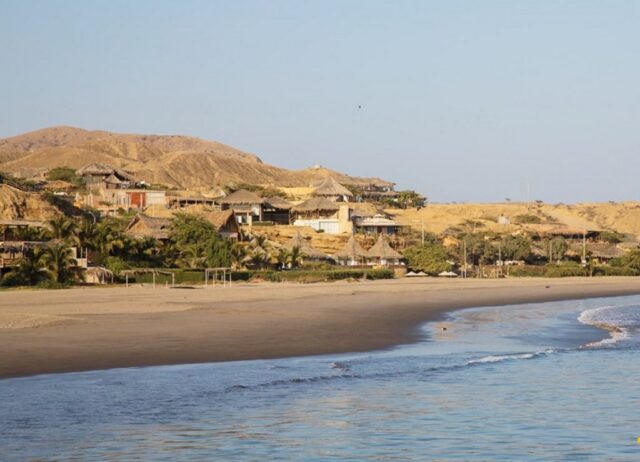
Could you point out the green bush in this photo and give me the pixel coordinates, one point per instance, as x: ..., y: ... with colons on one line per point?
x: 527, y: 219
x: 615, y: 271
x: 564, y: 271
x: 322, y: 275
x: 527, y: 271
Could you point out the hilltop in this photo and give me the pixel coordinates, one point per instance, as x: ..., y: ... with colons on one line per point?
x: 180, y: 162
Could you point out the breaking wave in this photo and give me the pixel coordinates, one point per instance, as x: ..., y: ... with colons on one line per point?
x: 622, y: 323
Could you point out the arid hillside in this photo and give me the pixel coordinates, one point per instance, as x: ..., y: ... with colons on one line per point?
x: 20, y: 205
x: 623, y: 217
x: 176, y: 161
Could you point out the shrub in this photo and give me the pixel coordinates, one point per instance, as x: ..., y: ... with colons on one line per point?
x: 527, y: 219
x: 615, y: 271
x: 564, y: 271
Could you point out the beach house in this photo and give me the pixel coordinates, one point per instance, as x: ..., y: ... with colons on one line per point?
x: 142, y: 226
x: 352, y: 254
x: 382, y: 254
x: 323, y: 215
x: 330, y: 189
x: 246, y: 205
x: 376, y: 224
x: 277, y: 210
x: 224, y: 222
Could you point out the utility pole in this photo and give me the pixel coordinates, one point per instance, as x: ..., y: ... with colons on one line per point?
x: 422, y: 223
x: 528, y: 195
x: 584, y: 248
x: 464, y: 246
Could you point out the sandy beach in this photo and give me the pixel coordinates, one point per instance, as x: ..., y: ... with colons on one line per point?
x: 98, y: 328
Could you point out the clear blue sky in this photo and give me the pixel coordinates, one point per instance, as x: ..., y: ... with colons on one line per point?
x: 461, y: 100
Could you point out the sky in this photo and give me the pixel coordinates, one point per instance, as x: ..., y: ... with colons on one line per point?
x: 463, y: 101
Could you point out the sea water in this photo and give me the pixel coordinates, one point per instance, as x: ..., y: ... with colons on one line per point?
x: 538, y: 382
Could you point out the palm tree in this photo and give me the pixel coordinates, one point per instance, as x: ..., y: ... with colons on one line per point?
x: 62, y: 228
x: 296, y: 258
x: 258, y: 257
x: 31, y: 268
x: 238, y: 255
x: 28, y: 234
x: 86, y: 234
x: 60, y: 263
x: 284, y: 258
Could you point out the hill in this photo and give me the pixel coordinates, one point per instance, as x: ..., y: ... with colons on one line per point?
x: 176, y: 161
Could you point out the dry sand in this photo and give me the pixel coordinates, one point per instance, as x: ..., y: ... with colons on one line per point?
x: 83, y: 329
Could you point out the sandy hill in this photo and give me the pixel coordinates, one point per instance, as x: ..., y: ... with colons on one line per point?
x: 623, y: 217
x: 177, y: 161
x: 20, y: 205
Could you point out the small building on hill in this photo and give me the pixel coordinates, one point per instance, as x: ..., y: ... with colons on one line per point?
x: 105, y: 176
x: 225, y: 223
x: 323, y: 215
x: 277, y: 210
x: 142, y: 226
x: 382, y: 254
x: 377, y: 190
x: 246, y: 205
x: 352, y: 254
x: 330, y: 189
x: 377, y: 224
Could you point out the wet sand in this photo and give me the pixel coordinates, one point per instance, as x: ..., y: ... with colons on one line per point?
x: 99, y: 328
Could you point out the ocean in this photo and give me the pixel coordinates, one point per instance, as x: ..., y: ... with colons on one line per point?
x: 539, y: 382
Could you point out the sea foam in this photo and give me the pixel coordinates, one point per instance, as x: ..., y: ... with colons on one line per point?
x: 622, y: 322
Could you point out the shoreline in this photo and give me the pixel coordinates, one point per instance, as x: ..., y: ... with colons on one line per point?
x: 88, y: 329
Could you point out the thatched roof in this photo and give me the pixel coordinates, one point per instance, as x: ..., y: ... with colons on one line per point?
x: 304, y: 246
x: 352, y: 250
x: 377, y: 220
x: 599, y: 250
x: 382, y: 249
x: 142, y: 226
x: 316, y: 204
x: 95, y: 169
x: 112, y: 179
x: 103, y: 169
x: 330, y: 187
x: 242, y: 197
x: 278, y: 203
x: 220, y: 219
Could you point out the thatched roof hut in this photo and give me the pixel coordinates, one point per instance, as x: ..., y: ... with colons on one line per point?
x: 383, y: 251
x: 224, y: 222
x: 316, y: 204
x: 142, y: 226
x: 305, y: 247
x: 277, y: 203
x: 242, y: 197
x: 352, y: 251
x: 331, y: 188
x: 98, y: 169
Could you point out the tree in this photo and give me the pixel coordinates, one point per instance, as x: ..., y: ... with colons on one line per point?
x: 238, y: 255
x: 62, y: 228
x: 86, y: 234
x: 558, y: 247
x: 630, y: 260
x: 64, y: 174
x: 515, y: 248
x: 60, y: 263
x: 430, y: 258
x: 196, y: 243
x: 30, y: 270
x: 479, y: 250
